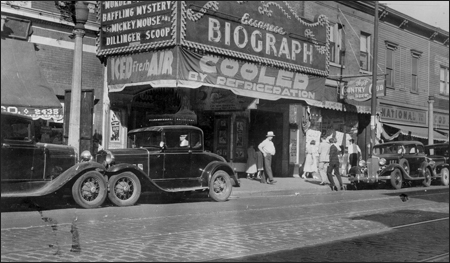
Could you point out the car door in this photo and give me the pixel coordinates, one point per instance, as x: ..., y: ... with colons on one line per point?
x: 21, y: 159
x: 177, y: 158
x: 413, y: 160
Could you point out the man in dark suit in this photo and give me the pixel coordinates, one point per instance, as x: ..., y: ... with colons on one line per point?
x: 334, y: 165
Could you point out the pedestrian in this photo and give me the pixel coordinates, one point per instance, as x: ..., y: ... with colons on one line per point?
x: 260, y: 167
x: 311, y: 161
x: 251, y: 161
x: 324, y: 159
x: 334, y: 165
x: 268, y: 150
x: 354, y: 153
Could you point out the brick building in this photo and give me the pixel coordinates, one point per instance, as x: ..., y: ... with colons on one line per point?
x: 42, y: 30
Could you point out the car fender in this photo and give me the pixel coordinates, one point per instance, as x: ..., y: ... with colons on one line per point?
x: 212, y: 167
x: 439, y: 168
x: 65, y: 179
x: 426, y: 165
x: 142, y: 176
x: 391, y: 167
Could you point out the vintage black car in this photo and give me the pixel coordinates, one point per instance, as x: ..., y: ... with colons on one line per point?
x: 439, y: 154
x: 170, y: 159
x: 30, y: 168
x: 396, y: 162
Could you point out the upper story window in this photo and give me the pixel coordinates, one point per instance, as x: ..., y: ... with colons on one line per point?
x: 337, y: 43
x: 414, y: 70
x: 364, y: 60
x: 443, y: 90
x: 390, y: 71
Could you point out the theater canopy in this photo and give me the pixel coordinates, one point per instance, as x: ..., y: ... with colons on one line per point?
x: 24, y: 88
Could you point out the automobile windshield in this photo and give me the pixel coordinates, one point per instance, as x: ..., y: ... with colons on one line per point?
x: 145, y: 139
x: 388, y: 149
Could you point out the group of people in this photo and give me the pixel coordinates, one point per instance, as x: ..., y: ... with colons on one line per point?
x: 325, y: 160
x: 259, y: 162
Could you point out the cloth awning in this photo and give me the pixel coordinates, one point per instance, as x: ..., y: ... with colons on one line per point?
x: 419, y: 132
x: 24, y: 88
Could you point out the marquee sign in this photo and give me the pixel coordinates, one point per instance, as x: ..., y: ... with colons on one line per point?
x: 264, y: 32
x: 136, y: 25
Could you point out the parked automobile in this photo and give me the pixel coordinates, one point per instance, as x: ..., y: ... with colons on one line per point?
x: 439, y: 154
x: 30, y: 168
x: 396, y: 162
x: 171, y: 159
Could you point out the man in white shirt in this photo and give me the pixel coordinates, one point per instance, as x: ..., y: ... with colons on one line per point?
x: 353, y: 151
x: 324, y: 159
x: 268, y: 150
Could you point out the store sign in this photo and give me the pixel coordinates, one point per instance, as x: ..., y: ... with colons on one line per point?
x: 56, y: 114
x: 360, y: 89
x: 247, y: 79
x: 131, y: 23
x: 440, y: 120
x: 269, y: 32
x: 403, y: 115
x: 149, y: 67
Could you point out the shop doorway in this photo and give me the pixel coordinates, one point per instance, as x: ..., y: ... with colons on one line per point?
x: 260, y: 123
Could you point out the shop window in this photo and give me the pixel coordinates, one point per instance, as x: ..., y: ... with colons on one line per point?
x: 443, y: 90
x: 364, y: 44
x: 337, y: 42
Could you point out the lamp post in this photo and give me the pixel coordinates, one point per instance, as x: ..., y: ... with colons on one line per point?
x: 430, y: 120
x: 81, y: 16
x: 374, y: 81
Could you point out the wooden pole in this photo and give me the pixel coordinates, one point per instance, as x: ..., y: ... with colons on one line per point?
x: 374, y: 81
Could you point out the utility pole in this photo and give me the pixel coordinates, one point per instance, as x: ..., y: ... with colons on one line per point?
x: 374, y: 81
x: 81, y: 16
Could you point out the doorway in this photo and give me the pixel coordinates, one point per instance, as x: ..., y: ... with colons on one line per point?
x: 260, y: 123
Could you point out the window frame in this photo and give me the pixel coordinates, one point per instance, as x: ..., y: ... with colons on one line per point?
x: 366, y: 52
x: 444, y: 80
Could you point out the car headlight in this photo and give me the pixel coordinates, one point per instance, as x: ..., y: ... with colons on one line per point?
x: 362, y: 163
x: 109, y: 158
x: 382, y: 161
x: 85, y: 156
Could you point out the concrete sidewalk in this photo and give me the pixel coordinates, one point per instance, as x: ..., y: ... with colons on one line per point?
x: 283, y: 186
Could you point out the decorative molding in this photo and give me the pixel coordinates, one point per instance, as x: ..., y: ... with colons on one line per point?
x: 391, y: 45
x: 403, y: 23
x: 416, y: 53
x: 433, y: 35
x: 383, y: 14
x: 445, y: 42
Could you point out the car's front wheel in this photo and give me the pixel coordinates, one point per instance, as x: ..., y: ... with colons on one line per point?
x: 220, y: 186
x: 427, y: 180
x: 396, y: 178
x: 89, y: 190
x: 444, y: 176
x: 124, y: 189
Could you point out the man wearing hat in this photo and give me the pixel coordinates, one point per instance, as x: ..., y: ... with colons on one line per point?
x: 268, y: 149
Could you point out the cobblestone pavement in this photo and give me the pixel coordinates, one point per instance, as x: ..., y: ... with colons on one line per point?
x: 199, y: 230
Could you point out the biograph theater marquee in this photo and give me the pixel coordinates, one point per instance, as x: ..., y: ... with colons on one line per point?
x: 256, y: 49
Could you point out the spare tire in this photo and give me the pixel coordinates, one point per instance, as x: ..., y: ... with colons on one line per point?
x: 405, y: 165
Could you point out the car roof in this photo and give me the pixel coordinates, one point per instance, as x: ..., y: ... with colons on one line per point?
x: 400, y: 142
x: 437, y: 145
x: 165, y: 128
x: 5, y: 113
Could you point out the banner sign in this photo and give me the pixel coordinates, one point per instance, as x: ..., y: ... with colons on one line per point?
x: 264, y: 32
x: 360, y: 89
x: 440, y: 120
x: 135, y: 25
x: 403, y: 115
x: 37, y: 113
x: 247, y: 79
x: 155, y: 68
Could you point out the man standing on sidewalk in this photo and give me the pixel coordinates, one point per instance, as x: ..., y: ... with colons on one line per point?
x: 268, y: 150
x: 324, y: 159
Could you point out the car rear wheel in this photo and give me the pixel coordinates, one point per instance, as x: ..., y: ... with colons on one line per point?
x: 396, y: 178
x: 444, y: 176
x: 405, y: 165
x: 124, y: 189
x: 89, y: 190
x: 427, y: 180
x: 220, y: 186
